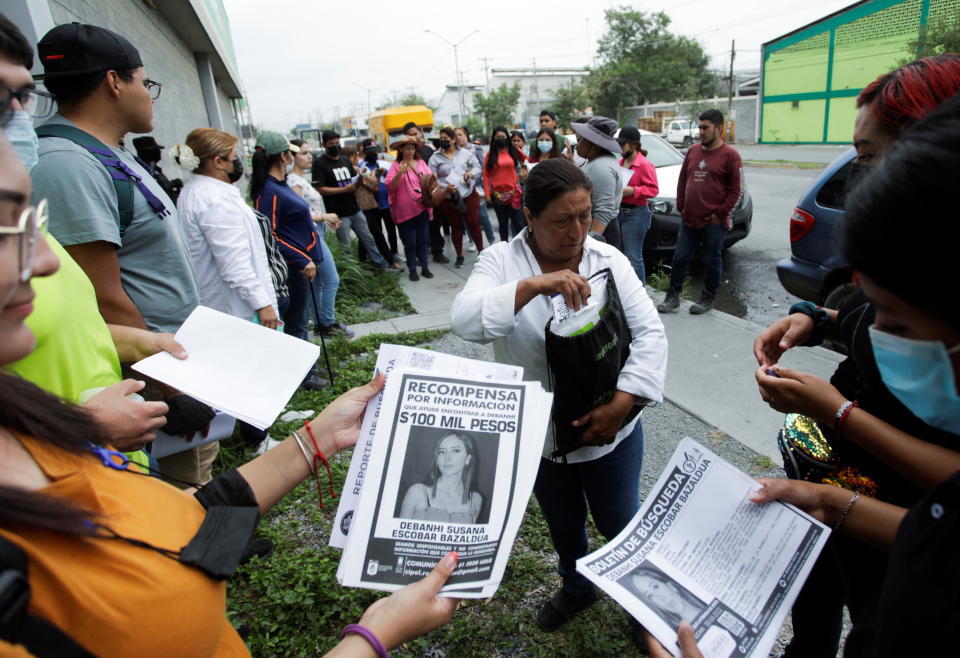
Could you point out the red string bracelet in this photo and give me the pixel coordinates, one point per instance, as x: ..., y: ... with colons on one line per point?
x: 319, y: 456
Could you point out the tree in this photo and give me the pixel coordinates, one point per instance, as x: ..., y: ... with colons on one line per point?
x: 570, y: 102
x: 641, y: 61
x: 497, y: 106
x: 474, y: 125
x: 396, y: 99
x: 936, y: 39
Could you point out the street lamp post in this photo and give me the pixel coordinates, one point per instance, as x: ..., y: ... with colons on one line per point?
x: 456, y: 63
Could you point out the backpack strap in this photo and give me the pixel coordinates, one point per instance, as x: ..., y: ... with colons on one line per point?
x: 122, y: 176
x: 17, y: 625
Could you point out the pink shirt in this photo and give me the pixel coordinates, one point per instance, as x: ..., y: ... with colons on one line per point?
x: 405, y: 198
x: 643, y: 181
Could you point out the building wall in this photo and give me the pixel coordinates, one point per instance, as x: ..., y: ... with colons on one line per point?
x: 811, y: 78
x: 166, y: 58
x: 744, y: 114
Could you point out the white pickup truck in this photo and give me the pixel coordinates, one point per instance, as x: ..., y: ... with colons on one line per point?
x: 682, y: 132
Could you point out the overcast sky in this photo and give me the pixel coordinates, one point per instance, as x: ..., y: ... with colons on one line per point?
x: 298, y: 58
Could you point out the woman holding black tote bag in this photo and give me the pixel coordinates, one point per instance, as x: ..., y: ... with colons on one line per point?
x: 507, y: 301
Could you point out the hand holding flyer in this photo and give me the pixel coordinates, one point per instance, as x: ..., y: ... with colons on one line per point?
x: 699, y: 550
x: 448, y: 471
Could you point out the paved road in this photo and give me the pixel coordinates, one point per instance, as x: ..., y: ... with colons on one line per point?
x: 750, y: 288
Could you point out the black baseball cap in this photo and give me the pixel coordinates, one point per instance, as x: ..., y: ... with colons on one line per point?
x: 628, y: 134
x: 78, y: 49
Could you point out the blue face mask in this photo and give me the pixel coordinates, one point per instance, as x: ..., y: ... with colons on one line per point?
x: 21, y: 134
x: 545, y: 147
x: 919, y: 374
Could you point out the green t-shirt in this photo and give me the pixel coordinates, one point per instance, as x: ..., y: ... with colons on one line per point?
x: 74, y: 349
x: 155, y: 267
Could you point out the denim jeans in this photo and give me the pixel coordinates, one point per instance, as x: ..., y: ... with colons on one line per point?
x: 510, y: 220
x: 325, y: 287
x: 485, y: 220
x: 688, y: 239
x: 610, y: 485
x: 358, y: 224
x: 415, y: 235
x: 634, y: 224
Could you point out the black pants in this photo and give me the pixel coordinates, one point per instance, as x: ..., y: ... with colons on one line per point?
x: 612, y: 234
x: 379, y: 219
x: 438, y: 227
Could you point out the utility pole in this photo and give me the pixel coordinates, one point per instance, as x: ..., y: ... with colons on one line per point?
x: 486, y: 70
x: 456, y: 64
x: 536, y: 89
x: 733, y: 53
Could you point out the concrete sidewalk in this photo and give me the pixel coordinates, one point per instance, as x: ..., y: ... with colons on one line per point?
x: 710, y: 372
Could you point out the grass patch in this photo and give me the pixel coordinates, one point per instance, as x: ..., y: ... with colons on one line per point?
x: 366, y: 293
x: 764, y: 462
x: 660, y: 281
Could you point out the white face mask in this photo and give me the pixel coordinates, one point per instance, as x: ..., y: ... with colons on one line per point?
x: 21, y: 134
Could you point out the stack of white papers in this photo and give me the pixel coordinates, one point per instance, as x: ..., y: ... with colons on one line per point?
x: 244, y: 369
x: 446, y: 461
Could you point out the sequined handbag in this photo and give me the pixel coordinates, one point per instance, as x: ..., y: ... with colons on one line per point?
x: 808, y: 455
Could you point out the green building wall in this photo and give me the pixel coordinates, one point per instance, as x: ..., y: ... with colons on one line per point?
x: 811, y: 78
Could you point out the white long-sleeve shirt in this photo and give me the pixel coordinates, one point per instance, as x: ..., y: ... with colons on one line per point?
x: 226, y: 247
x: 483, y: 312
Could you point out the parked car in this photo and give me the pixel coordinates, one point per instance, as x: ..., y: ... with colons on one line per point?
x: 682, y: 132
x: 661, y: 239
x: 816, y: 270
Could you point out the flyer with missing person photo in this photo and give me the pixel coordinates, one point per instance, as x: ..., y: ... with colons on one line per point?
x: 390, y: 359
x: 699, y: 550
x: 451, y: 469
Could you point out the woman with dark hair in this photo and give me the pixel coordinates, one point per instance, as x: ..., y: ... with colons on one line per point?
x: 501, y: 180
x: 519, y: 142
x: 547, y: 146
x: 463, y: 141
x: 635, y: 215
x: 462, y: 200
x: 671, y: 602
x: 916, y: 345
x: 449, y: 493
x: 506, y: 301
x: 91, y: 543
x: 406, y: 185
x: 868, y: 444
x: 327, y: 280
x: 294, y: 229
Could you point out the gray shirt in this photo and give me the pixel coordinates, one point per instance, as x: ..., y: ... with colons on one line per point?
x: 441, y: 165
x: 155, y: 267
x: 604, y: 174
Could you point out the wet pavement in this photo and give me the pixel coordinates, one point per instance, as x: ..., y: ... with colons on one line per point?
x: 750, y: 288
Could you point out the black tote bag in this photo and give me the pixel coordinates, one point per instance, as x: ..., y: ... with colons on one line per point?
x: 584, y: 369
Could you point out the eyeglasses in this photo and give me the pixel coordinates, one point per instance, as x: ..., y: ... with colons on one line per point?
x: 153, y: 87
x: 31, y: 227
x: 38, y: 104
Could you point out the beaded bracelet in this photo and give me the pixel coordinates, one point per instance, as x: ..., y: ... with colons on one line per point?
x: 841, y: 416
x: 367, y: 635
x: 846, y: 510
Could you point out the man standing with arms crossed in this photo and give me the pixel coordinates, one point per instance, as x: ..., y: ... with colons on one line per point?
x: 709, y: 188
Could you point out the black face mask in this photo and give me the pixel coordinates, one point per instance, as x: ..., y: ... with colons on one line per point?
x: 444, y: 144
x: 333, y: 151
x: 857, y: 174
x: 500, y: 142
x: 237, y: 173
x: 150, y: 154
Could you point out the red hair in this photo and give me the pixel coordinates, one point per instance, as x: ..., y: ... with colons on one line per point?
x: 912, y: 91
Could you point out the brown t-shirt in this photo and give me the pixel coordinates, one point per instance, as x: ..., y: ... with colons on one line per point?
x: 711, y: 182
